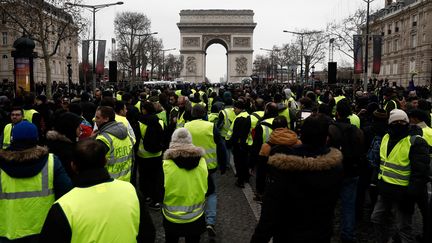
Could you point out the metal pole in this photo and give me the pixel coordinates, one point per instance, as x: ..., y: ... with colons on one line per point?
x: 94, y: 50
x: 365, y: 79
x: 163, y: 64
x: 301, y: 60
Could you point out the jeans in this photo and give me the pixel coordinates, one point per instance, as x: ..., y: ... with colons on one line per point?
x: 348, y: 195
x: 403, y: 211
x: 211, y: 204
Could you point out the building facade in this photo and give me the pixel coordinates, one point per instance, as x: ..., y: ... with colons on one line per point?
x: 58, y: 62
x: 406, y: 29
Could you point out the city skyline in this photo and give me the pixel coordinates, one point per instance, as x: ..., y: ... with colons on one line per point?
x: 271, y: 20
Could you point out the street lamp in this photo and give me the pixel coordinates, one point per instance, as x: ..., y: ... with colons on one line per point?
x: 302, y: 34
x: 365, y: 82
x: 163, y: 60
x: 69, y: 65
x: 94, y: 9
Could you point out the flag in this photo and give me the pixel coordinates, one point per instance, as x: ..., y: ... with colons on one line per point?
x: 100, y: 57
x: 377, y: 48
x: 358, y: 54
x: 85, y: 55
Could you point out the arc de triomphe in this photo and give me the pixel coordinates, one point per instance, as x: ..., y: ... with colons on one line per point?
x: 231, y: 28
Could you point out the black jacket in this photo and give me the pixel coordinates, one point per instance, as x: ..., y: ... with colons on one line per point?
x: 61, y: 146
x: 57, y: 228
x: 301, y: 195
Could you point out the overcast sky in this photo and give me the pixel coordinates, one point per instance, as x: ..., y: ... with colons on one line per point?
x: 271, y: 16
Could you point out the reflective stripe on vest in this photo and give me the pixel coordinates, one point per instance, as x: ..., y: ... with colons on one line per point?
x: 141, y: 150
x: 106, y: 212
x: 28, y: 114
x: 7, y: 132
x: 25, y: 202
x: 266, y: 129
x: 202, y: 136
x: 395, y: 168
x: 386, y: 104
x: 229, y: 116
x: 179, y: 182
x: 119, y: 156
x: 337, y: 99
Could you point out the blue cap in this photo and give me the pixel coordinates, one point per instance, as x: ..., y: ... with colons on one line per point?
x: 24, y: 131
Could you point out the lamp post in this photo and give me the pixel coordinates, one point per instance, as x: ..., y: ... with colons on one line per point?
x: 302, y: 34
x: 94, y: 9
x: 313, y: 76
x: 163, y: 60
x: 69, y: 66
x: 365, y: 79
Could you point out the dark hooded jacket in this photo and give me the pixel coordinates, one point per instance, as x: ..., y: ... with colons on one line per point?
x: 62, y: 147
x: 301, y: 195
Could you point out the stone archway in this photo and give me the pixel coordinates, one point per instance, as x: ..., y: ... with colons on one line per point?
x: 233, y: 29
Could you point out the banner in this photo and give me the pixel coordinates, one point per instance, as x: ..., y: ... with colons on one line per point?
x: 377, y: 49
x: 100, y: 57
x: 85, y: 55
x: 358, y: 54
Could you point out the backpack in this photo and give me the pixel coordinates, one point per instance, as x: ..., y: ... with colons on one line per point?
x: 350, y: 144
x: 373, y: 153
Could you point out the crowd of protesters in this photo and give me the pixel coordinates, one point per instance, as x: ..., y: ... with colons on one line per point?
x: 87, y: 165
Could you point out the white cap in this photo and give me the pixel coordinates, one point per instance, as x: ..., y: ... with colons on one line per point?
x: 398, y: 115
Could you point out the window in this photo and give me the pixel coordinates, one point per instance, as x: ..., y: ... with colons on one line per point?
x: 388, y: 69
x: 412, y: 66
x: 4, y: 65
x: 395, y: 68
x: 389, y: 47
x: 5, y: 38
x: 396, y: 45
x: 397, y: 27
x: 414, y: 21
x: 414, y: 41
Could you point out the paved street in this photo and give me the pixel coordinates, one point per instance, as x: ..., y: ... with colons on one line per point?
x: 238, y: 215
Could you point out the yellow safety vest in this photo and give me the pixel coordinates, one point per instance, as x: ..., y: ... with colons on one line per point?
x: 119, y: 157
x: 255, y: 118
x: 395, y: 168
x: 106, y: 212
x: 210, y: 104
x: 354, y: 120
x: 28, y: 114
x: 138, y: 105
x: 181, y: 121
x: 126, y: 123
x: 286, y: 114
x: 249, y: 139
x: 25, y: 202
x: 162, y: 116
x: 142, y: 153
x: 213, y: 117
x: 178, y: 208
x: 118, y: 97
x: 427, y: 135
x: 7, y: 132
x: 337, y: 99
x: 178, y: 92
x: 386, y: 104
x: 266, y: 130
x: 202, y: 136
x: 229, y: 116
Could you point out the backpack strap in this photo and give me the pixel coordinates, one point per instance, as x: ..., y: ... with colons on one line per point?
x: 413, y: 138
x: 256, y: 115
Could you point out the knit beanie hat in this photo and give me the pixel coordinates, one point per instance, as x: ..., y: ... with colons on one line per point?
x: 180, y: 138
x: 398, y: 115
x: 24, y: 135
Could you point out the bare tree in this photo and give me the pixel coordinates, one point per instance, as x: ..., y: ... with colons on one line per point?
x: 132, y: 32
x: 173, y: 65
x: 343, y: 31
x: 49, y: 23
x: 314, y: 48
x: 154, y: 55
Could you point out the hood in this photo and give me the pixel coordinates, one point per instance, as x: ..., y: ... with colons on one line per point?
x: 280, y: 136
x: 25, y: 163
x: 300, y: 163
x: 117, y: 129
x: 56, y: 136
x: 284, y: 136
x: 287, y: 93
x: 186, y: 157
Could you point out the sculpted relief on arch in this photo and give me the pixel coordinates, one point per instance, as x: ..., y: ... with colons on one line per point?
x: 191, y: 65
x: 207, y: 38
x: 241, y: 65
